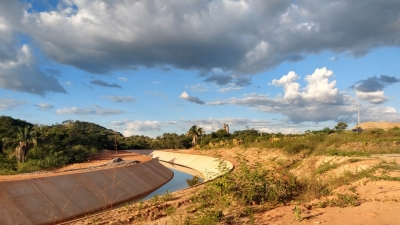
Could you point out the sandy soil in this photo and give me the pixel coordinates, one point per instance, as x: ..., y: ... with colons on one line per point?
x: 380, y: 204
x: 379, y: 200
x: 379, y: 125
x: 100, y: 159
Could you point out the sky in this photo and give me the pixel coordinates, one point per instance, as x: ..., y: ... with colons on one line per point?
x: 149, y: 67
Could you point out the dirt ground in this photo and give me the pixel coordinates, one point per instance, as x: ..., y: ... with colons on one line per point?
x: 95, y: 162
x: 380, y: 204
x: 379, y: 199
x: 379, y: 125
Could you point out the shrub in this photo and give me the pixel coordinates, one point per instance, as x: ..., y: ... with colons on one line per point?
x: 248, y: 185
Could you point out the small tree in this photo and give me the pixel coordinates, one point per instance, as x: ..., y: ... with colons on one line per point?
x: 341, y: 126
x: 195, y: 132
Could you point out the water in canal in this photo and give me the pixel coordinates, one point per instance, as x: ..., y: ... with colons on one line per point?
x: 180, y: 181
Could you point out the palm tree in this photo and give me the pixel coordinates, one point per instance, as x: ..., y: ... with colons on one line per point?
x: 27, y: 139
x: 195, y: 132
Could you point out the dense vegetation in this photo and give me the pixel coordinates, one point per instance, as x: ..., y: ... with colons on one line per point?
x: 76, y: 141
x: 50, y: 146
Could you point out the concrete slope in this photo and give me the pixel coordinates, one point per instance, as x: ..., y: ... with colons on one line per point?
x: 208, y: 166
x: 49, y: 200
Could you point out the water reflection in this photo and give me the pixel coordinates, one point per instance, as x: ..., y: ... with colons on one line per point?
x: 195, y: 180
x: 175, y: 184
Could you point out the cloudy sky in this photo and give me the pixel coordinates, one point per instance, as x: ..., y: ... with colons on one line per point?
x: 148, y: 67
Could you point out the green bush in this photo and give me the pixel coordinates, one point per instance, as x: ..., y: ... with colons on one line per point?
x: 8, y: 166
x: 250, y: 184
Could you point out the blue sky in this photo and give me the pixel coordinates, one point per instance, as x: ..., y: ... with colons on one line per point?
x: 150, y: 67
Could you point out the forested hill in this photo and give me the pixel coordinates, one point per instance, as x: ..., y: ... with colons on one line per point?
x: 67, y: 134
x: 50, y: 146
x: 9, y: 126
x: 69, y: 142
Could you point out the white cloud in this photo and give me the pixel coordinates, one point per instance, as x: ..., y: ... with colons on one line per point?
x: 22, y: 74
x: 171, y: 122
x: 189, y: 98
x: 375, y: 97
x: 123, y: 78
x: 44, y: 106
x: 89, y: 111
x: 230, y: 88
x: 289, y: 86
x: 139, y: 127
x: 6, y: 104
x: 119, y: 98
x: 378, y: 113
x: 245, y: 37
x: 280, y: 130
x: 319, y: 101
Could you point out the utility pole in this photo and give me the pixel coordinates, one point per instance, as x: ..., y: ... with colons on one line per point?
x: 358, y: 106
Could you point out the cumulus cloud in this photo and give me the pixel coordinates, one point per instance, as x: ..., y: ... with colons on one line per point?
x: 120, y: 98
x: 89, y: 111
x: 373, y: 84
x: 19, y: 69
x: 371, y: 89
x: 6, y: 104
x: 189, y: 98
x: 378, y: 113
x: 242, y: 37
x: 104, y: 84
x: 22, y: 74
x: 318, y: 89
x: 319, y: 101
x: 137, y: 127
x: 375, y: 97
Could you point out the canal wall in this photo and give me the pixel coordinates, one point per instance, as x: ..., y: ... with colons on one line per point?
x: 209, y: 167
x: 52, y: 199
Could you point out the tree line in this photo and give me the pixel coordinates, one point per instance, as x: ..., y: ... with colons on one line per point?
x: 29, y: 147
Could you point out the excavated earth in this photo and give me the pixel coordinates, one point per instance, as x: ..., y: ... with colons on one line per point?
x: 379, y: 200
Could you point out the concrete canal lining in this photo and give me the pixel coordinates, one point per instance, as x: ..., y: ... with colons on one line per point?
x: 209, y: 167
x: 52, y: 199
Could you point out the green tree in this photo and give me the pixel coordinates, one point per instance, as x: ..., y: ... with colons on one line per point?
x: 195, y: 132
x: 341, y: 126
x: 27, y: 139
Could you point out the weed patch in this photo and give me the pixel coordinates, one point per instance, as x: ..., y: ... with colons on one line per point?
x: 249, y: 185
x: 341, y: 200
